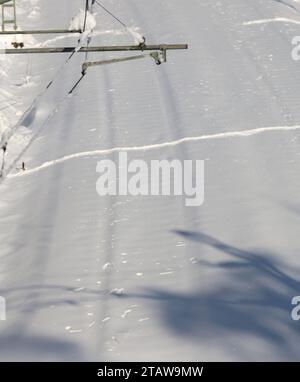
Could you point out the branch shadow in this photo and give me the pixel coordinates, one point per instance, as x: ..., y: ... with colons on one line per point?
x: 23, y: 348
x: 250, y: 298
x: 18, y: 345
x: 50, y: 295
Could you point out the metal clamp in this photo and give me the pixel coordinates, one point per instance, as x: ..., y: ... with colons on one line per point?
x: 159, y: 57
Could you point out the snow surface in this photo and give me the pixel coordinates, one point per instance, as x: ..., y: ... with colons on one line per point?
x: 146, y: 278
x: 78, y: 22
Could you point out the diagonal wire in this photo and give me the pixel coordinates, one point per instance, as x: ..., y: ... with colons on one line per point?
x: 110, y: 13
x: 4, y: 138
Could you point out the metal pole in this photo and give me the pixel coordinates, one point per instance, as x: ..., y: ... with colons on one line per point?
x: 50, y: 31
x: 11, y: 5
x: 87, y: 65
x: 120, y: 48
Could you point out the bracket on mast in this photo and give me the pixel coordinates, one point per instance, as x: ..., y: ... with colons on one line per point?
x: 159, y: 57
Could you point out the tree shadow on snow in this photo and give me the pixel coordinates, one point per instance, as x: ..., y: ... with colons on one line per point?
x: 249, y: 295
x: 49, y: 295
x: 38, y: 348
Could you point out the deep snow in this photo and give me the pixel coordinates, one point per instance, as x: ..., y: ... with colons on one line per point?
x: 146, y: 278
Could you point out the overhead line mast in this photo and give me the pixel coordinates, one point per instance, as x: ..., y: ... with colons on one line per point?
x: 158, y: 52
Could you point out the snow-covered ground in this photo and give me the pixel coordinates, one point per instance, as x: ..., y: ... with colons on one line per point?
x: 147, y: 278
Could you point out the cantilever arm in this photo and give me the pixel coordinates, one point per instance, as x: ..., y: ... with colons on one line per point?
x: 115, y: 48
